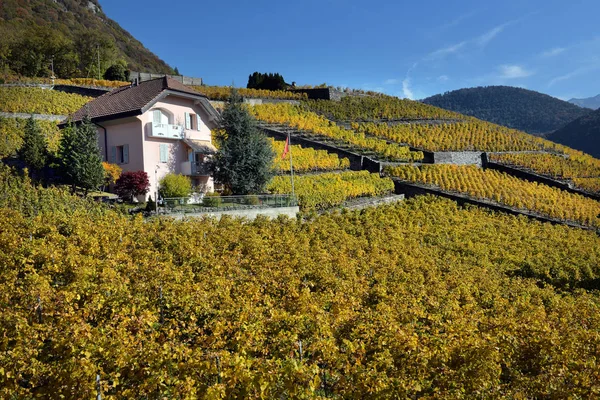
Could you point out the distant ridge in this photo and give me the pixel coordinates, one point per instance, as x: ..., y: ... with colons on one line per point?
x: 589, y: 102
x: 517, y: 108
x: 582, y: 134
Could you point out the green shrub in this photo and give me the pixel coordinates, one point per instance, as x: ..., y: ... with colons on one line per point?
x: 175, y: 185
x: 211, y: 200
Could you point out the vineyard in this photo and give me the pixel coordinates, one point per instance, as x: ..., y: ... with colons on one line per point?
x: 306, y: 159
x: 331, y: 189
x: 11, y: 130
x: 369, y: 108
x: 418, y: 300
x: 224, y: 92
x: 39, y: 101
x: 68, y: 82
x: 298, y: 118
x: 461, y: 136
x: 582, y: 169
x: 504, y: 189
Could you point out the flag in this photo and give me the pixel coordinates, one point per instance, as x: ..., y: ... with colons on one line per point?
x: 286, y: 148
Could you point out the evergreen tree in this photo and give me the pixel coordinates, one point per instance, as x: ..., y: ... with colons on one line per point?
x: 80, y: 157
x: 244, y: 162
x: 34, y: 151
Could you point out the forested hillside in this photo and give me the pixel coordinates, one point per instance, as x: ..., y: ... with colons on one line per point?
x: 517, y: 108
x: 70, y: 32
x: 582, y: 134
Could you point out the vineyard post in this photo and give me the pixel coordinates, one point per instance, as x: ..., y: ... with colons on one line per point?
x: 39, y: 309
x: 98, y: 388
x: 300, y: 349
x: 291, y: 164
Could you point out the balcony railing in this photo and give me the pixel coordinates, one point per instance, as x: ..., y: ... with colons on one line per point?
x: 194, y: 168
x: 167, y: 131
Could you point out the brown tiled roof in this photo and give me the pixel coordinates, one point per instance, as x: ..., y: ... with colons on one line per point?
x: 130, y: 100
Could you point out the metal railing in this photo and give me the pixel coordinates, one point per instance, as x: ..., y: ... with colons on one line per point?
x: 226, y: 203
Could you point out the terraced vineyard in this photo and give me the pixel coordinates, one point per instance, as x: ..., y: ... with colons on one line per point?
x: 371, y: 108
x: 224, y: 92
x: 582, y: 169
x: 461, y: 136
x: 306, y: 159
x: 327, y: 190
x: 419, y: 300
x: 504, y: 189
x: 299, y: 118
x: 39, y: 101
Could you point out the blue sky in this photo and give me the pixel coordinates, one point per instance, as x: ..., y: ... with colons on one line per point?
x: 409, y: 49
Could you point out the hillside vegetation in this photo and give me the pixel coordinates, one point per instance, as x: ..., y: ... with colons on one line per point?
x: 418, y: 300
x: 582, y: 134
x: 67, y: 31
x: 517, y: 108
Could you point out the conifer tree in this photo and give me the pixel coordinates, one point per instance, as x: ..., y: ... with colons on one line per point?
x: 244, y: 162
x: 80, y: 158
x: 34, y: 150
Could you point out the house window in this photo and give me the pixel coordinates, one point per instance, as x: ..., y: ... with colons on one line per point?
x: 192, y: 121
x: 164, y: 153
x: 119, y: 154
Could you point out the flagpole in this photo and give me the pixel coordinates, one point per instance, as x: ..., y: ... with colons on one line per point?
x: 291, y: 164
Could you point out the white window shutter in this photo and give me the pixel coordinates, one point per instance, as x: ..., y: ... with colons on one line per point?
x: 126, y: 154
x: 198, y: 122
x: 113, y: 155
x: 157, y: 117
x: 188, y: 121
x: 164, y: 153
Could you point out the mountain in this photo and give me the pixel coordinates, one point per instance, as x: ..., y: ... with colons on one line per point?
x: 590, y: 102
x: 582, y: 134
x: 71, y: 34
x: 518, y: 108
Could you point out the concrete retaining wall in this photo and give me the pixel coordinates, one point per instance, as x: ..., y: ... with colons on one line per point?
x: 144, y: 76
x: 45, y: 117
x: 290, y: 212
x: 460, y: 157
x: 322, y: 93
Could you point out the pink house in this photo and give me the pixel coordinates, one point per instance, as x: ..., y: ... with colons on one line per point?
x: 158, y: 126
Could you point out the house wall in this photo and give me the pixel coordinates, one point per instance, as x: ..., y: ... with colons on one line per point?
x: 126, y: 131
x: 175, y: 108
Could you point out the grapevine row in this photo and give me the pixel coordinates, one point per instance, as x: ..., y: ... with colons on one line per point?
x: 331, y: 189
x: 472, y: 135
x: 299, y: 118
x: 223, y: 93
x: 504, y: 189
x: 370, y: 108
x: 40, y: 101
x: 306, y: 159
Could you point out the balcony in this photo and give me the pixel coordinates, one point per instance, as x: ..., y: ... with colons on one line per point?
x: 166, y: 131
x: 194, y: 169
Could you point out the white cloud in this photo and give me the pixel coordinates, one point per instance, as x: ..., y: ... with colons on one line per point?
x: 513, y: 72
x: 443, y: 78
x: 574, y: 73
x: 406, y: 89
x: 392, y: 81
x: 553, y: 52
x: 447, y: 50
x: 487, y: 37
